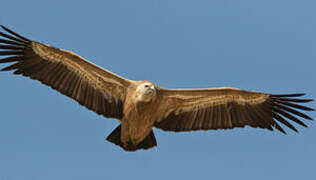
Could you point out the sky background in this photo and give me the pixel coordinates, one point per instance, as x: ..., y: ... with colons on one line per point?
x: 266, y: 46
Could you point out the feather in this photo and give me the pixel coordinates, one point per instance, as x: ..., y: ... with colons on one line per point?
x: 4, y: 41
x: 289, y: 116
x: 5, y: 53
x: 288, y: 95
x: 293, y: 111
x: 295, y: 100
x: 11, y: 47
x: 295, y: 105
x: 278, y: 127
x: 10, y: 37
x: 15, y: 34
x: 263, y: 117
x: 11, y: 67
x: 207, y: 123
x: 70, y: 83
x: 229, y: 115
x: 216, y: 117
x: 253, y: 117
x: 201, y: 117
x: 283, y: 121
x: 10, y: 59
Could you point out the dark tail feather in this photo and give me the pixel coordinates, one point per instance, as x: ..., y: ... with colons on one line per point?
x: 115, y: 136
x: 147, y: 143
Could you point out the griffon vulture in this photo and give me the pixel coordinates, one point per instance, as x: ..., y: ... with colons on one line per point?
x: 141, y: 105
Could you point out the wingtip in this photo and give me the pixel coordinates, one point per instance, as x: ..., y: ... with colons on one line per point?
x: 309, y: 100
x: 289, y: 95
x: 309, y: 109
x: 3, y: 27
x: 283, y: 132
x: 22, y: 38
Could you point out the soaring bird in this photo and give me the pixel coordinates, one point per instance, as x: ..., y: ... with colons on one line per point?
x: 141, y: 105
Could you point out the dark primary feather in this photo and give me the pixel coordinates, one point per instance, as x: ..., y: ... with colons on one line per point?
x: 19, y: 50
x: 268, y: 114
x: 11, y: 37
x: 11, y: 42
x: 15, y: 34
x: 16, y: 52
x: 288, y: 95
x: 9, y: 47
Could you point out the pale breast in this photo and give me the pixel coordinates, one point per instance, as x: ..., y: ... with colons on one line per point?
x: 138, y: 119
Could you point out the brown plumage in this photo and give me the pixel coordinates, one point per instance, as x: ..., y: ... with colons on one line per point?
x: 141, y: 105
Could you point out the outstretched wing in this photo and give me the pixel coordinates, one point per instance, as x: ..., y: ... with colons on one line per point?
x: 226, y: 108
x: 93, y: 87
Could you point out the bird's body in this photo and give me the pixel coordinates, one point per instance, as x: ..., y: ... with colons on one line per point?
x: 139, y: 111
x: 141, y: 105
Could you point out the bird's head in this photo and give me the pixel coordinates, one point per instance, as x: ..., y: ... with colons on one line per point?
x: 145, y: 92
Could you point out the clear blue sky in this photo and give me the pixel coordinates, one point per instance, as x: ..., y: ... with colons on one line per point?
x: 267, y: 46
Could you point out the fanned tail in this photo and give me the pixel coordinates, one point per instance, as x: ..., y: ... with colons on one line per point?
x: 147, y: 143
